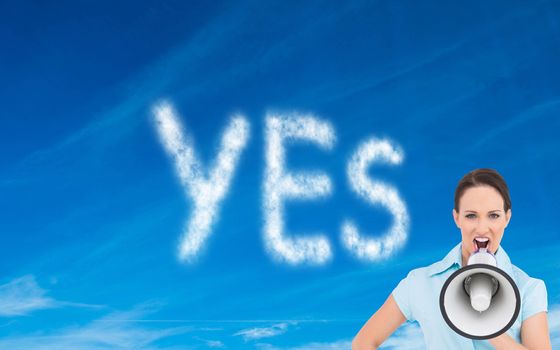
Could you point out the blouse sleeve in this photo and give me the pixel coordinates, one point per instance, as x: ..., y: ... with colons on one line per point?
x: 534, y: 299
x: 401, y: 294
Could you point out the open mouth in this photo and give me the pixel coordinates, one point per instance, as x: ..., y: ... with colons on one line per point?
x: 481, y: 242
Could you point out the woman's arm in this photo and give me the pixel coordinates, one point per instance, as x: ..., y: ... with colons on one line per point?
x: 379, y: 327
x: 534, y: 336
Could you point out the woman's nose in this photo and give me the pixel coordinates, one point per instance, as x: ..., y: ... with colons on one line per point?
x: 482, y: 226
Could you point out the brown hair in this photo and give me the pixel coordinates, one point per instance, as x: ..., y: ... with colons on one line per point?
x: 483, y: 177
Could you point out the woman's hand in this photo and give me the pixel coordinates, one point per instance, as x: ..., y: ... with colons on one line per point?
x: 379, y: 327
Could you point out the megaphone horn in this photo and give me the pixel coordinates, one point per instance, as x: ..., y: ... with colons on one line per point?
x: 480, y: 301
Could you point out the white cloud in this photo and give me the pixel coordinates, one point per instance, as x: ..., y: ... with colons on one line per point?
x: 376, y: 193
x: 280, y: 185
x: 205, y: 187
x: 22, y: 296
x: 215, y: 344
x: 263, y: 332
x: 113, y: 332
x: 211, y: 343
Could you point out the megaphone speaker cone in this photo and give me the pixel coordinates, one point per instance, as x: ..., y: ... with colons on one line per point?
x: 484, y: 307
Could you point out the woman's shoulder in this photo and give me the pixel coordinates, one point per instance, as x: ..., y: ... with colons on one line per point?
x: 533, y: 293
x: 422, y: 272
x: 524, y: 281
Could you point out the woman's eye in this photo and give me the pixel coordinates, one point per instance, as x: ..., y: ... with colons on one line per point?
x: 494, y: 216
x: 470, y: 216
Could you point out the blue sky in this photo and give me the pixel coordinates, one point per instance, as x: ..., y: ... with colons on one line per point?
x: 93, y: 209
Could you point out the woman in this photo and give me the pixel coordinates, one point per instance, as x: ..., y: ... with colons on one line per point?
x: 482, y: 212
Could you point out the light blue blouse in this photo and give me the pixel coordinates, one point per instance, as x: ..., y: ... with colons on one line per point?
x: 417, y: 296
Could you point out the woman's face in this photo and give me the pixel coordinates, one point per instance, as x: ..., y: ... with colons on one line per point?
x: 481, y: 218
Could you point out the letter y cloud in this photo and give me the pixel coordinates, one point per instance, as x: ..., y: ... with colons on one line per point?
x: 205, y: 187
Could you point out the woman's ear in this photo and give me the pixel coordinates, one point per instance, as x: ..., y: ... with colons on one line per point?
x: 456, y: 217
x: 508, y: 216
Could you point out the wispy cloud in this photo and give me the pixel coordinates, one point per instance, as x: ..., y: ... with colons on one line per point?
x: 22, y: 296
x: 211, y: 343
x: 111, y: 332
x: 215, y: 344
x: 263, y: 332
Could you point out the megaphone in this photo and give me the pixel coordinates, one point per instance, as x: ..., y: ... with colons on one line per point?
x: 480, y: 301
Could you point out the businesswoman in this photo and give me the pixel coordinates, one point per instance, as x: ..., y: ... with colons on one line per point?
x: 482, y: 211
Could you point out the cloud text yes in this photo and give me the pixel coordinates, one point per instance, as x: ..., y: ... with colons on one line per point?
x: 206, y: 186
